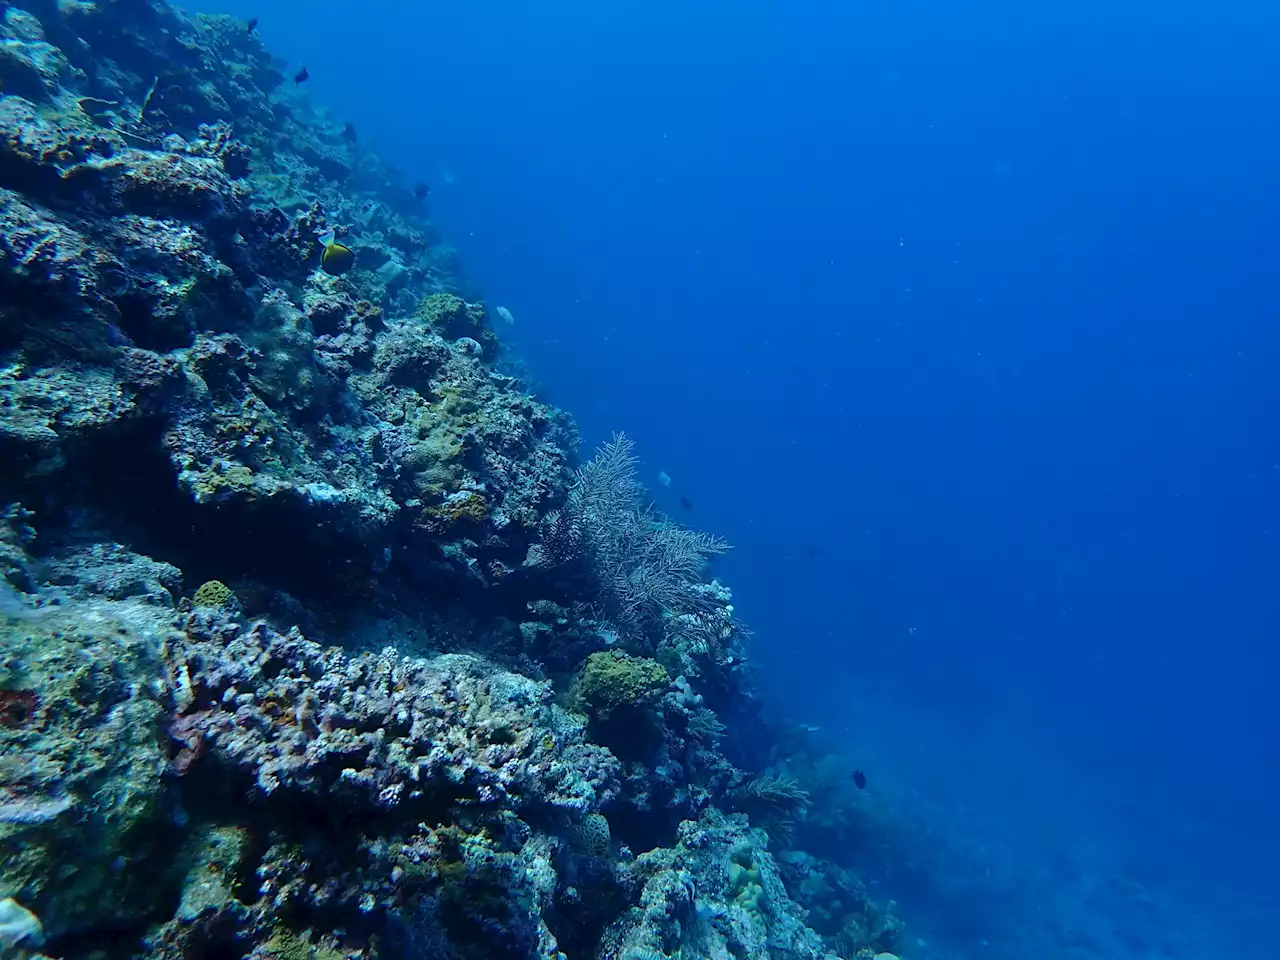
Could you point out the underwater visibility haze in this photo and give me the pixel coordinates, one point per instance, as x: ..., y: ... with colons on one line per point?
x: 377, y: 385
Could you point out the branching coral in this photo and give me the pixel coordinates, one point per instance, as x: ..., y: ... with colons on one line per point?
x: 378, y: 730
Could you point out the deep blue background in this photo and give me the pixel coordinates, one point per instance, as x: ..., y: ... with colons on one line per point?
x: 959, y: 319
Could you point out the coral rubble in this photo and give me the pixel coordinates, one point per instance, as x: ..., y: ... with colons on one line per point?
x: 312, y: 641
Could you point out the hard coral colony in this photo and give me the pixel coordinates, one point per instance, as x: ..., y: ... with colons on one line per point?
x: 388, y: 721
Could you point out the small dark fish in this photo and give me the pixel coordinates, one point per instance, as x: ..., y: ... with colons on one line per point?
x: 859, y: 779
x: 686, y: 503
x: 252, y: 25
x: 349, y: 132
x: 301, y: 76
x: 813, y: 550
x: 420, y: 191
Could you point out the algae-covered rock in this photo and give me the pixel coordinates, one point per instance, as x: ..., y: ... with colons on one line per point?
x: 84, y: 814
x: 455, y: 319
x: 212, y: 858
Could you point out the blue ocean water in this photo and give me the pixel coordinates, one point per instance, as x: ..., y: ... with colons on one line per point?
x: 959, y: 321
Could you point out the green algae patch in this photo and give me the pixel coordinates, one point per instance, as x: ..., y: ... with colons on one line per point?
x: 613, y: 682
x: 287, y: 945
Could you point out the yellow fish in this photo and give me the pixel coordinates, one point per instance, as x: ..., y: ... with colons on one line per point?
x: 337, y: 258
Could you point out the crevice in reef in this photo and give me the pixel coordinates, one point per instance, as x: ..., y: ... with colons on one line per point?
x: 642, y: 830
x: 127, y: 485
x: 137, y: 320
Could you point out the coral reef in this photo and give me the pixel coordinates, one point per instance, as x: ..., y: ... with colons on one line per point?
x: 313, y: 641
x: 716, y: 893
x: 171, y: 260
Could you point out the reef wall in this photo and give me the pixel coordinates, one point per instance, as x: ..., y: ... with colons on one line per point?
x: 316, y: 640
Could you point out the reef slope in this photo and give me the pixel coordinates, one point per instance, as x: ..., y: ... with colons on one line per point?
x: 316, y: 640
